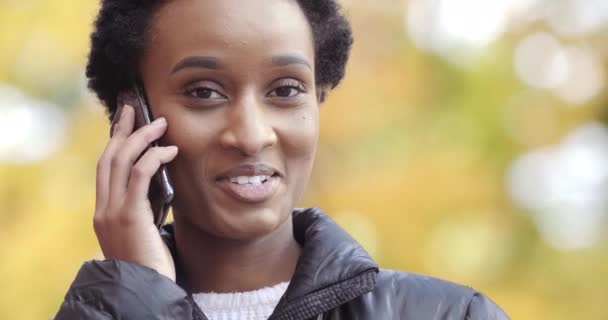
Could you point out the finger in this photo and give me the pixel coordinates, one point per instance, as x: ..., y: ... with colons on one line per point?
x: 145, y: 168
x: 124, y: 127
x: 129, y: 152
x: 116, y: 118
x: 102, y: 182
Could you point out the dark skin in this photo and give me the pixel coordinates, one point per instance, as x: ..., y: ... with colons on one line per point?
x: 235, y: 81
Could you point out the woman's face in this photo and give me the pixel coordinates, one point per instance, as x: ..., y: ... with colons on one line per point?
x: 235, y: 81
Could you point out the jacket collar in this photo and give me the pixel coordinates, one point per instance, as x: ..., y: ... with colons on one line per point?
x: 332, y: 269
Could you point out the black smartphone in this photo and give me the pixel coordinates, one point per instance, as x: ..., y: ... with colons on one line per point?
x: 161, y: 191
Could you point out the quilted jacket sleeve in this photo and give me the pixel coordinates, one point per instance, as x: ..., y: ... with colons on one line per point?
x: 116, y: 289
x: 482, y: 308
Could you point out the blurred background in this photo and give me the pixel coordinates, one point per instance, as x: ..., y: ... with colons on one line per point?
x: 468, y: 141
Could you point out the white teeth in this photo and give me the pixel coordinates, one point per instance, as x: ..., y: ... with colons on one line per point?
x: 255, y: 180
x: 249, y: 180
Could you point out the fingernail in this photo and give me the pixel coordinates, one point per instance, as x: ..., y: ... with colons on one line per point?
x: 118, y: 115
x: 123, y: 112
x: 159, y: 121
x: 125, y: 107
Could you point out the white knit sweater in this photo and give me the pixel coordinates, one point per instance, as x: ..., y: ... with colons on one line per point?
x: 249, y: 305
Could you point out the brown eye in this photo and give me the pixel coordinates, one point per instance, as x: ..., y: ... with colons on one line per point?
x: 204, y: 93
x: 287, y: 89
x: 285, y: 92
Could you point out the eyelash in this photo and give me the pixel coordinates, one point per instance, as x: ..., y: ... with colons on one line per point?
x: 290, y: 84
x: 191, y: 93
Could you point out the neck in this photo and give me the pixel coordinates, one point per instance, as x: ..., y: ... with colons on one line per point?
x: 214, y: 264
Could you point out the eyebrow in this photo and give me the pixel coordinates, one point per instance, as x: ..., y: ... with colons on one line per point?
x: 206, y: 62
x: 197, y: 62
x: 287, y: 59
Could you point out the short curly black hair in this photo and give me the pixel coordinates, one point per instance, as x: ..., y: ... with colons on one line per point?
x: 121, y: 28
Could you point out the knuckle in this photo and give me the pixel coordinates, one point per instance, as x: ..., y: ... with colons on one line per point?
x: 104, y: 159
x: 126, y: 219
x: 101, y: 164
x: 120, y: 218
x: 118, y: 134
x: 118, y: 161
x: 119, y: 130
x: 150, y: 135
x: 99, y: 222
x: 116, y: 131
x: 139, y: 172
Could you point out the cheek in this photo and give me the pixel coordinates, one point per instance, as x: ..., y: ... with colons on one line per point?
x: 193, y: 133
x: 298, y: 136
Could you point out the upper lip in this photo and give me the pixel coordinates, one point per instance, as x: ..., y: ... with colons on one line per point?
x: 249, y: 170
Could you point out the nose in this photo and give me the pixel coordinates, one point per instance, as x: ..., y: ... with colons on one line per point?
x: 247, y: 127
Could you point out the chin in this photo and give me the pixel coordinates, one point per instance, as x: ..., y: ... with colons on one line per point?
x: 243, y: 224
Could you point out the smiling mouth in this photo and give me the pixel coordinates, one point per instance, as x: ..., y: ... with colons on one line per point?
x: 253, y: 180
x: 250, y: 189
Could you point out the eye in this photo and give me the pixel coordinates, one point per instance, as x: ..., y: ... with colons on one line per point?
x: 287, y: 88
x: 204, y: 93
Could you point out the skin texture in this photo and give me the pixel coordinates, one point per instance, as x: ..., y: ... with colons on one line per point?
x: 241, y: 111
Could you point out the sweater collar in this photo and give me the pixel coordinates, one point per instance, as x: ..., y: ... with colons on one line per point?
x: 332, y: 269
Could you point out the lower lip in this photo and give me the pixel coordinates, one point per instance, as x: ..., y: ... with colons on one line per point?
x: 249, y: 192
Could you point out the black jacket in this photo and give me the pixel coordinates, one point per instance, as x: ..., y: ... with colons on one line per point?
x: 335, y: 279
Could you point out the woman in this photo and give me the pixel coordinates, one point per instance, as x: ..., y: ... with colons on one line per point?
x: 236, y: 87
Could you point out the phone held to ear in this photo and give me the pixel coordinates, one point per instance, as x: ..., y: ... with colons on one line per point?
x: 161, y: 191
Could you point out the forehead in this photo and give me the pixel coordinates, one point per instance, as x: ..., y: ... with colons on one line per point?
x: 189, y: 27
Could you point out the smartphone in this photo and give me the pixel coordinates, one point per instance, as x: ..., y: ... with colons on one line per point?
x: 161, y: 177
x: 161, y: 190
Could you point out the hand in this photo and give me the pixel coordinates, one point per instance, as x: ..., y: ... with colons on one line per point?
x: 123, y: 221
